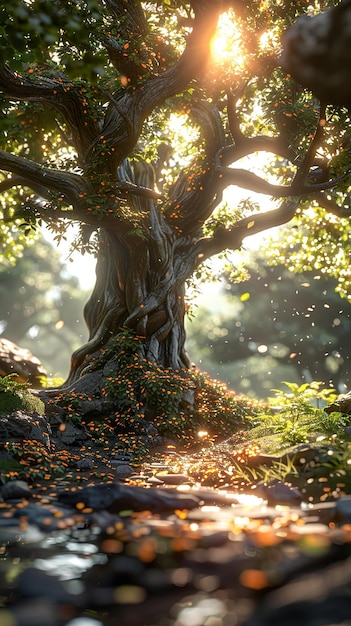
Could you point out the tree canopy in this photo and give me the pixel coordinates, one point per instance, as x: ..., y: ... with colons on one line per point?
x: 140, y: 122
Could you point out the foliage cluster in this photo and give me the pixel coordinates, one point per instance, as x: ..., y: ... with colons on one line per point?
x: 96, y: 55
x: 179, y: 403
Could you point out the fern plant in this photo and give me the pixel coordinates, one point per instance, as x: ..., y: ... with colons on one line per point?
x: 298, y: 416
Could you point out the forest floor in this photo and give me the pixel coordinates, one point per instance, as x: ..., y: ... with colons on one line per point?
x: 222, y: 535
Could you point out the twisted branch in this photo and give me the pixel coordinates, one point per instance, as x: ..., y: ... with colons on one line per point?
x: 194, y: 196
x: 43, y: 179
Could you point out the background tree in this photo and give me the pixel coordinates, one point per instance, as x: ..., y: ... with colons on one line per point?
x: 275, y: 325
x: 90, y: 93
x: 39, y: 307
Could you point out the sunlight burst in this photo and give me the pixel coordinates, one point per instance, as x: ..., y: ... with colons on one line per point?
x: 227, y: 47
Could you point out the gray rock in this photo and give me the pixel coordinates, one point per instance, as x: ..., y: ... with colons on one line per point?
x: 85, y: 464
x: 343, y: 509
x: 17, y: 360
x: 174, y: 479
x: 123, y: 471
x: 15, y: 489
x: 123, y: 456
x: 72, y: 434
x: 18, y: 426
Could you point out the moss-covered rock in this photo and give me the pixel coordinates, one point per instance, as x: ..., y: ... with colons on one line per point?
x: 16, y: 396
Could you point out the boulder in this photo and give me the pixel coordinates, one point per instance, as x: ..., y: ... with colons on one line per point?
x: 20, y: 361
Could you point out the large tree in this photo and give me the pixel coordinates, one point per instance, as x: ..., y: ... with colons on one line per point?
x: 92, y: 92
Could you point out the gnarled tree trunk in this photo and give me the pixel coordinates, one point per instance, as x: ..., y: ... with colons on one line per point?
x: 140, y: 286
x: 138, y: 289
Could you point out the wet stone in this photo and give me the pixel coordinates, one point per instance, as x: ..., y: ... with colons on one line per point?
x: 37, y: 612
x: 278, y: 492
x: 173, y: 479
x: 117, y: 497
x: 212, y: 497
x: 162, y: 466
x: 47, y: 518
x: 324, y: 511
x: 119, y: 462
x: 104, y: 519
x: 32, y: 582
x: 154, y: 481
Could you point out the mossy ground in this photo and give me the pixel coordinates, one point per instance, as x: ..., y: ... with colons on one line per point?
x: 216, y: 413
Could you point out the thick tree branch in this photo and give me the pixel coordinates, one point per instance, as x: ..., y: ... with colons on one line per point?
x: 308, y: 159
x: 232, y: 238
x: 132, y: 24
x: 119, y: 58
x: 261, y: 143
x: 190, y: 63
x: 130, y: 12
x: 137, y: 105
x: 70, y: 185
x: 20, y: 181
x: 243, y: 145
x: 249, y: 180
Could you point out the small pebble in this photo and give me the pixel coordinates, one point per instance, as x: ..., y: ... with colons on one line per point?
x: 125, y: 456
x: 278, y: 492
